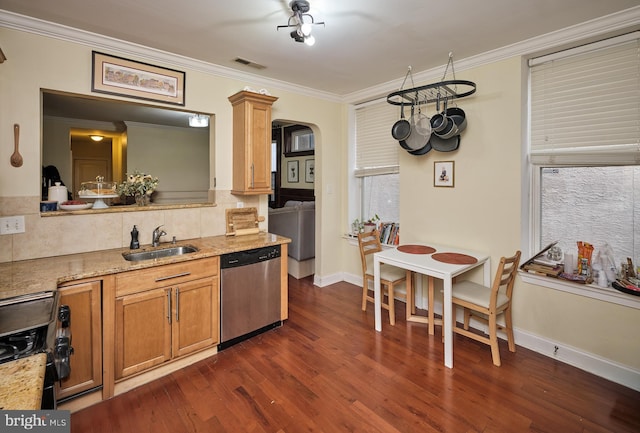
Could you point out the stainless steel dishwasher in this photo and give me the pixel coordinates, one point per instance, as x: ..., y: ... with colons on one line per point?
x: 249, y: 294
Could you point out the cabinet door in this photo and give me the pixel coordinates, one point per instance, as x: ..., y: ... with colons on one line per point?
x: 251, y: 143
x: 195, y: 315
x: 143, y: 331
x: 259, y: 147
x: 84, y: 301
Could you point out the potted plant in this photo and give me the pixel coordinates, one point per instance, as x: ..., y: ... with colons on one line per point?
x: 138, y: 185
x: 370, y: 224
x: 358, y: 226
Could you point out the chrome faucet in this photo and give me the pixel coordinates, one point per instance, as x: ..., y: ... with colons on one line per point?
x: 155, y: 238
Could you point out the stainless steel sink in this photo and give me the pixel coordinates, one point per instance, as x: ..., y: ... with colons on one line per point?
x: 159, y: 253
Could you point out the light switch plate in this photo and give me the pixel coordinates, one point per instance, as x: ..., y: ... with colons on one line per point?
x: 11, y: 225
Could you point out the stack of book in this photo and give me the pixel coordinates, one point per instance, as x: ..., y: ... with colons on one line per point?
x: 390, y: 233
x: 540, y: 264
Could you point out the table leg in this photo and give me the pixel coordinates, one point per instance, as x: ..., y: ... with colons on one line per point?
x: 377, y: 301
x: 410, y: 295
x: 447, y: 327
x: 486, y: 269
x: 431, y: 304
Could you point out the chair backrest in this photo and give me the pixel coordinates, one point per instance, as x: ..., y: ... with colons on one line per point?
x: 505, y: 277
x: 369, y: 243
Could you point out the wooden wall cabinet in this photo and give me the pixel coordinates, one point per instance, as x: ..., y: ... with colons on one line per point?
x: 251, y: 143
x: 84, y: 300
x: 165, y: 312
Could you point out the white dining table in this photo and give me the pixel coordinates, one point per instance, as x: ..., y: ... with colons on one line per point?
x: 426, y: 264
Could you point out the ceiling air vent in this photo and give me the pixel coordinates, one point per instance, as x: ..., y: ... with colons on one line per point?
x: 249, y: 63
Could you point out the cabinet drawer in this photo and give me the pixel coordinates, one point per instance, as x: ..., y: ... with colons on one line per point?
x: 165, y: 275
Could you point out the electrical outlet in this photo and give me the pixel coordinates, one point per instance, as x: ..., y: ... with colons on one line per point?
x: 240, y: 204
x: 11, y: 225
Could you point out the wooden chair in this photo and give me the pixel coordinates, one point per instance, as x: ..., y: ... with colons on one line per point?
x: 486, y: 303
x: 390, y: 276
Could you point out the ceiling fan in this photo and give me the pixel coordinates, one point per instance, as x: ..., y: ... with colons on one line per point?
x: 302, y: 29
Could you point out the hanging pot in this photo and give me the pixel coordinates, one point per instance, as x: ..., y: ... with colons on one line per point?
x: 459, y: 117
x: 439, y: 120
x: 449, y: 130
x: 402, y: 128
x: 426, y: 148
x: 445, y: 144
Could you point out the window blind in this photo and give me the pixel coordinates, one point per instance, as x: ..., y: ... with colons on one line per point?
x: 376, y: 149
x: 585, y: 104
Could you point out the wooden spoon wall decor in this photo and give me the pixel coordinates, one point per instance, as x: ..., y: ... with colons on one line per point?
x: 16, y: 158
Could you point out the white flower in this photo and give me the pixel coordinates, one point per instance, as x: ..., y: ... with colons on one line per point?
x: 138, y: 183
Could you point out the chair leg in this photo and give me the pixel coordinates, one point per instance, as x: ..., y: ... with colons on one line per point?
x: 391, y: 303
x: 509, y: 329
x: 493, y: 340
x: 467, y: 318
x: 411, y: 303
x: 365, y: 293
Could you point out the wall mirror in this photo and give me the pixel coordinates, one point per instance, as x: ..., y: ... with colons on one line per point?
x: 134, y: 137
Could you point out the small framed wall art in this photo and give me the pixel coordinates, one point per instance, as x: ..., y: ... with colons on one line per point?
x: 443, y: 174
x: 309, y: 170
x: 119, y: 76
x: 292, y: 171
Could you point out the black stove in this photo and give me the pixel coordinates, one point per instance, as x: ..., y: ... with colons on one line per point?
x: 29, y: 325
x: 24, y: 343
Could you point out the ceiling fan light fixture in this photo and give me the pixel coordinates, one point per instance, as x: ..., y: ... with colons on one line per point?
x: 305, y: 29
x: 297, y: 36
x: 302, y: 29
x: 310, y: 40
x: 198, y: 121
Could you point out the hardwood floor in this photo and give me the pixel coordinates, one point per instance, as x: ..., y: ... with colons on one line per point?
x: 327, y: 370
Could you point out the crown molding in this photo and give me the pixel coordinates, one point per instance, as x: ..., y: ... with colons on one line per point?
x: 119, y: 47
x: 628, y: 19
x: 608, y: 25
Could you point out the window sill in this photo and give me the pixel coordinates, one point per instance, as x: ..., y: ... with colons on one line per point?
x: 606, y: 294
x: 353, y: 240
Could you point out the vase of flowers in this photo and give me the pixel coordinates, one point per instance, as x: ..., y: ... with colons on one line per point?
x: 140, y: 186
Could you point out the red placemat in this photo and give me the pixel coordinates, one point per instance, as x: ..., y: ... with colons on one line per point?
x: 416, y: 249
x: 455, y: 258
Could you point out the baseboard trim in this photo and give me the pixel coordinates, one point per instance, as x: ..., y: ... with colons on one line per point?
x: 602, y: 367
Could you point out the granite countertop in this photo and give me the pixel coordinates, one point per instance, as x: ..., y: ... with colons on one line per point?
x: 45, y: 274
x: 22, y: 382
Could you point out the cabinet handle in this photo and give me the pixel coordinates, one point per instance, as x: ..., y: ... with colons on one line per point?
x: 177, y: 303
x: 169, y: 306
x: 252, y: 175
x: 184, y: 274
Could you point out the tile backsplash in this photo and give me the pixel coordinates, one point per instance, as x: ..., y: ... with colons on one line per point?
x: 69, y: 234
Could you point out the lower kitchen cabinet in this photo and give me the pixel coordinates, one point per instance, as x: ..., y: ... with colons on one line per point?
x: 157, y: 325
x: 84, y: 301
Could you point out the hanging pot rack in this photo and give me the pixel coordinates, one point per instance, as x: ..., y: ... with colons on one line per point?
x: 442, y: 91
